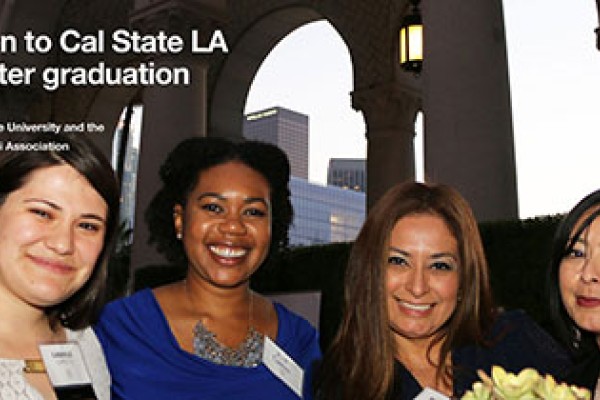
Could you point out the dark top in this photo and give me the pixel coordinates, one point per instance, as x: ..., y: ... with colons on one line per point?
x: 515, y: 342
x: 585, y: 373
x: 146, y: 362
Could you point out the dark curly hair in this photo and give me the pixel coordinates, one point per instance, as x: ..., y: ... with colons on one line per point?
x: 179, y: 175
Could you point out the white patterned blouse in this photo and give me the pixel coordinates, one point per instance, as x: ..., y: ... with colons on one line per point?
x: 14, y: 386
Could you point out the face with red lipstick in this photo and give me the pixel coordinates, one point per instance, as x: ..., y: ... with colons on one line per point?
x: 579, y: 277
x: 422, y: 276
x: 51, y: 233
x: 226, y: 224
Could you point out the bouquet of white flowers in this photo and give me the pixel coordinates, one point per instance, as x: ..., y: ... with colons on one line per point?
x: 527, y: 385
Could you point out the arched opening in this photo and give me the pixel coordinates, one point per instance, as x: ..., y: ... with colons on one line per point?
x: 419, y: 143
x: 246, y: 56
x: 310, y: 71
x: 300, y: 100
x: 125, y: 157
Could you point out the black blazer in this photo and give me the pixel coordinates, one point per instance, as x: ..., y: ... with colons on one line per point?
x: 586, y: 372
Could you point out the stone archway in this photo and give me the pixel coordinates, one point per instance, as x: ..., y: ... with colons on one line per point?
x: 463, y: 90
x: 238, y: 71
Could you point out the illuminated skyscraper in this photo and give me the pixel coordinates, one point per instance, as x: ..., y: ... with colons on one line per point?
x: 348, y: 173
x: 284, y: 128
x: 322, y: 214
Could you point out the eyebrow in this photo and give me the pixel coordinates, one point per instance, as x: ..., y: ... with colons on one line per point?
x: 397, y: 250
x: 56, y: 207
x: 218, y: 196
x: 434, y: 255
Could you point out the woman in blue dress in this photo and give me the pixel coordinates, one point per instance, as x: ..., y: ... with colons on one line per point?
x: 223, y: 210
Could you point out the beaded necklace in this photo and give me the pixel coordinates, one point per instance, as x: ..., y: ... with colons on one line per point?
x: 247, y: 354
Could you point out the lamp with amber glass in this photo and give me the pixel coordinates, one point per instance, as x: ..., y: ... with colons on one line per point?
x: 411, y: 40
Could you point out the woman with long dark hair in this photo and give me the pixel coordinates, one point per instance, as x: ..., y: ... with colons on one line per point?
x: 418, y: 306
x: 58, y: 216
x: 574, y: 289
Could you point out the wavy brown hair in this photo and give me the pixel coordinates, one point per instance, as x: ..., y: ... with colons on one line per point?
x: 360, y: 361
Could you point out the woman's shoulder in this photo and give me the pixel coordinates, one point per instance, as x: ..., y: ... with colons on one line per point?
x: 514, y: 342
x: 291, y: 322
x: 522, y: 342
x: 297, y: 335
x: 518, y: 326
x: 137, y: 300
x: 507, y: 318
x: 138, y: 308
x: 586, y: 372
x: 131, y: 325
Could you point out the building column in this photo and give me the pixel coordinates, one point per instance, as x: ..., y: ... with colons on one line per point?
x: 597, y: 30
x: 172, y: 113
x: 390, y: 112
x: 468, y: 120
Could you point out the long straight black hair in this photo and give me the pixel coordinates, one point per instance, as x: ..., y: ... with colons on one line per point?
x: 579, y: 342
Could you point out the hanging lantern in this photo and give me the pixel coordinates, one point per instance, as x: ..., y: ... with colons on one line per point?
x: 411, y: 40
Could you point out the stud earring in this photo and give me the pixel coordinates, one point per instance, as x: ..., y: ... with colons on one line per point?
x: 179, y: 235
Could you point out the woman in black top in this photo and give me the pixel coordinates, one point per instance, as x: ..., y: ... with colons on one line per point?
x: 574, y: 286
x: 418, y: 308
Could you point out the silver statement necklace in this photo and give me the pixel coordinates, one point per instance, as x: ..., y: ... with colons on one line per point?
x: 248, y: 354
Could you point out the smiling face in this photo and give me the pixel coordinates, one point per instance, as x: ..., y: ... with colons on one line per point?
x: 422, y: 276
x: 226, y: 224
x: 51, y: 233
x: 579, y: 278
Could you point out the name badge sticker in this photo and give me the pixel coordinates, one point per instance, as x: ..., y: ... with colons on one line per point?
x: 430, y: 394
x: 64, y: 364
x: 283, y: 366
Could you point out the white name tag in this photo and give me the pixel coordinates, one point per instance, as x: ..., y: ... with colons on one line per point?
x: 64, y: 364
x: 430, y: 394
x: 282, y: 366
